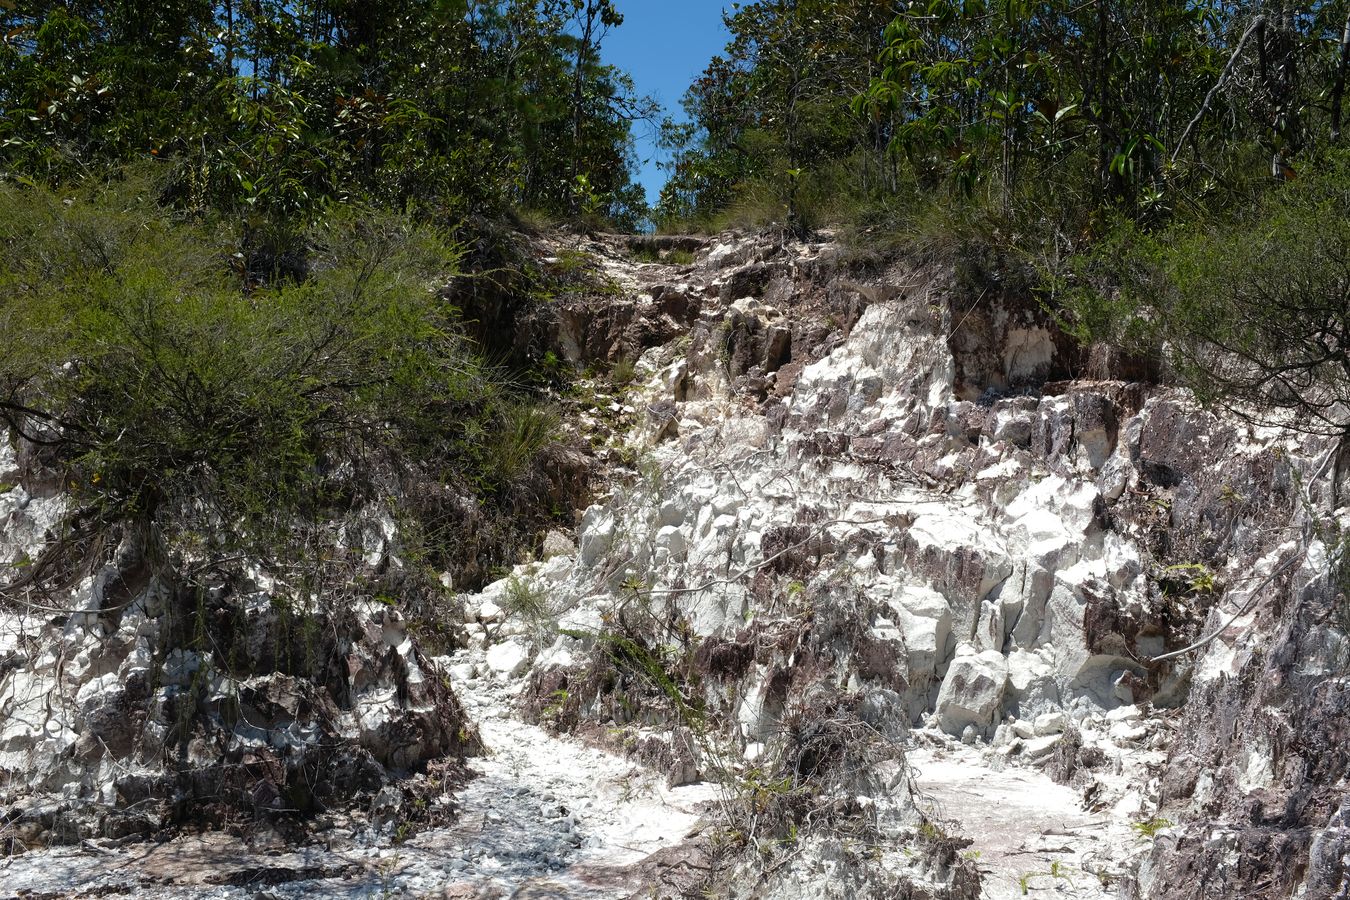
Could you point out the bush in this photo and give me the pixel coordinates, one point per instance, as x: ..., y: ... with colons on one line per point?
x: 1250, y: 312
x: 175, y: 391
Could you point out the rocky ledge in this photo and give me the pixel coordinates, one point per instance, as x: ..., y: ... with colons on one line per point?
x: 887, y: 589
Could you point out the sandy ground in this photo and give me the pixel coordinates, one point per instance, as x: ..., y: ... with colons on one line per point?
x: 1032, y: 837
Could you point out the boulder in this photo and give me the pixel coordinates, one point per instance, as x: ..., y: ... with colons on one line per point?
x: 556, y: 543
x: 597, y: 535
x: 1031, y: 683
x: 924, y: 620
x: 972, y: 693
x: 509, y: 658
x: 1051, y: 723
x: 1036, y: 748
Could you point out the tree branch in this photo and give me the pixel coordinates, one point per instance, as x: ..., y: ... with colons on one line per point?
x: 1209, y: 97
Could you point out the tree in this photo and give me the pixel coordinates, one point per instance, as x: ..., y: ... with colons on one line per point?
x: 594, y: 19
x: 774, y: 111
x: 457, y: 109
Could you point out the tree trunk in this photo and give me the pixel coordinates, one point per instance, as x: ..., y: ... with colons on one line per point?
x: 1103, y: 138
x: 578, y: 96
x: 229, y: 37
x: 1281, y: 68
x: 1338, y: 88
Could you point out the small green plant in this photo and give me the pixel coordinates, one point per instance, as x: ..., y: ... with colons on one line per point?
x: 932, y: 831
x: 647, y: 253
x: 1150, y: 828
x: 652, y: 472
x: 1056, y: 872
x: 623, y: 372
x: 555, y: 709
x: 524, y: 598
x: 760, y: 789
x: 525, y: 601
x: 387, y: 871
x: 572, y: 262
x: 1197, y: 577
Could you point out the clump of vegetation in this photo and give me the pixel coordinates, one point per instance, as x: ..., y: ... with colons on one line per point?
x: 1056, y: 871
x: 623, y: 372
x: 272, y: 111
x: 646, y: 253
x: 649, y: 253
x: 524, y: 600
x: 1188, y: 578
x: 1247, y: 310
x: 177, y: 392
x: 1150, y: 828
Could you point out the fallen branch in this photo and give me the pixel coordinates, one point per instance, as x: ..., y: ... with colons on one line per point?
x: 1251, y: 600
x: 1298, y: 557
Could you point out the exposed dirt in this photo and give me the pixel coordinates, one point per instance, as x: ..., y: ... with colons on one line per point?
x: 1030, y: 837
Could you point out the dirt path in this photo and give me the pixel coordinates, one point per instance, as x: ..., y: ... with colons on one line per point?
x: 553, y: 812
x: 1031, y: 836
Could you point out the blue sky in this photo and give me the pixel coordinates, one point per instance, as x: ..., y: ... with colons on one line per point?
x: 664, y: 45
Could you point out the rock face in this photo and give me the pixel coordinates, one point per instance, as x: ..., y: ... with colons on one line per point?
x: 972, y: 693
x: 869, y: 485
x: 138, y: 704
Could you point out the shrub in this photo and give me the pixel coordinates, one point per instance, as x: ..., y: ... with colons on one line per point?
x: 1249, y: 312
x: 176, y: 391
x: 526, y: 601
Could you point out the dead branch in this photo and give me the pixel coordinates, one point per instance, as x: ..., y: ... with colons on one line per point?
x: 1213, y: 92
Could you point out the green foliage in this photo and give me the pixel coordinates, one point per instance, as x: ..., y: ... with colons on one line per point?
x: 1056, y: 871
x: 452, y: 110
x: 525, y: 600
x: 983, y: 91
x: 1248, y: 310
x: 1197, y: 578
x: 773, y: 112
x: 518, y: 431
x: 932, y: 831
x: 1005, y: 137
x: 181, y: 394
x: 674, y: 257
x: 623, y: 372
x: 1150, y: 828
x: 657, y: 668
